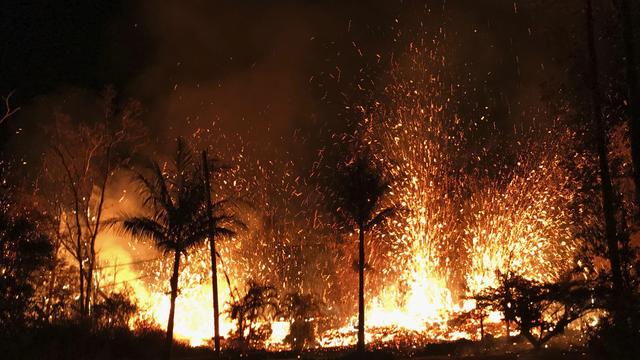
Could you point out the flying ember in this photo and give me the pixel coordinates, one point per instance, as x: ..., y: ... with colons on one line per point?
x: 457, y: 228
x: 320, y: 180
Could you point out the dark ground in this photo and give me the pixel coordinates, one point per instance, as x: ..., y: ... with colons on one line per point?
x: 71, y: 341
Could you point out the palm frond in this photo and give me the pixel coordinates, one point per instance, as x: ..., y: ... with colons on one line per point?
x: 161, y: 186
x: 112, y: 222
x: 380, y: 217
x: 222, y: 204
x: 145, y: 227
x: 218, y: 165
x: 184, y: 156
x: 224, y: 232
x: 154, y: 189
x: 358, y: 190
x: 228, y: 221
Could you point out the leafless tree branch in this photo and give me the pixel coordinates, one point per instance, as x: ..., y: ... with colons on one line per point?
x: 8, y: 110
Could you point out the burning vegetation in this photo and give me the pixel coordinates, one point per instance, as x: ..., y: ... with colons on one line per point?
x: 421, y: 224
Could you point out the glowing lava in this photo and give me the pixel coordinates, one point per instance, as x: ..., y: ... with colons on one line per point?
x: 461, y: 220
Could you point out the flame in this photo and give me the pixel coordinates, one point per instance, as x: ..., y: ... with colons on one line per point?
x: 279, y: 331
x: 194, y: 309
x: 193, y: 317
x: 457, y: 228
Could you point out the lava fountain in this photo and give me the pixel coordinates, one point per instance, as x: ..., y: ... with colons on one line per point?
x: 464, y: 216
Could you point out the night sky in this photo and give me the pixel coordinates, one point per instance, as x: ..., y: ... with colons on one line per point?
x: 275, y: 71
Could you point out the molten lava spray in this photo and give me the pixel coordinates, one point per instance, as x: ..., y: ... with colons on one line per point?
x: 464, y: 216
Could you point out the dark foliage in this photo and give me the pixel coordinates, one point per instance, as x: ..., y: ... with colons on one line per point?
x: 253, y: 314
x: 617, y: 336
x: 359, y: 190
x: 301, y: 309
x: 359, y: 187
x: 24, y: 250
x: 540, y: 311
x: 177, y: 215
x: 114, y: 311
x: 74, y: 340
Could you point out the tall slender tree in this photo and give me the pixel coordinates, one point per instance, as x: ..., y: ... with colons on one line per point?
x: 82, y: 160
x: 626, y: 12
x: 608, y: 198
x: 219, y: 224
x: 177, y: 215
x: 360, y: 188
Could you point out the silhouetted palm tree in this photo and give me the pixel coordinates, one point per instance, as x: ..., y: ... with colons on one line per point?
x: 359, y: 191
x: 176, y: 201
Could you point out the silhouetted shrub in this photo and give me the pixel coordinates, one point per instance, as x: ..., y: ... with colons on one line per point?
x: 114, y: 312
x: 301, y: 309
x: 252, y: 314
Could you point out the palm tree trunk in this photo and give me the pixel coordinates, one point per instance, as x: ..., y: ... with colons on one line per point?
x: 172, y: 308
x: 216, y: 305
x: 634, y: 92
x: 361, y: 289
x: 214, y: 270
x: 603, y: 161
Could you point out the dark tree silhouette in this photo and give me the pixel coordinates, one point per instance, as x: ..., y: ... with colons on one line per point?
x: 258, y: 304
x: 24, y: 250
x: 626, y: 12
x: 360, y: 188
x: 300, y: 309
x: 600, y: 135
x: 220, y: 224
x: 178, y: 215
x: 80, y: 165
x: 9, y: 111
x: 615, y: 339
x: 540, y: 311
x: 114, y: 311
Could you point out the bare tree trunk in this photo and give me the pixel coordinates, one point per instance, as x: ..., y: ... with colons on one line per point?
x: 81, y: 277
x: 537, y: 344
x: 48, y: 308
x: 241, y: 326
x: 250, y: 335
x: 603, y: 161
x: 212, y: 248
x: 80, y: 256
x: 78, y: 250
x: 172, y: 307
x: 89, y: 274
x: 634, y: 93
x: 361, y: 289
x: 88, y: 289
x: 95, y: 231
